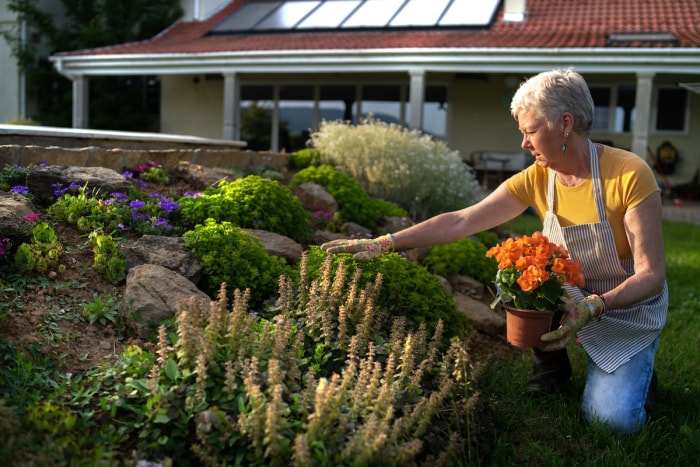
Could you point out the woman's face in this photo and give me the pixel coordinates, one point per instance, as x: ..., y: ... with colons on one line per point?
x: 543, y: 143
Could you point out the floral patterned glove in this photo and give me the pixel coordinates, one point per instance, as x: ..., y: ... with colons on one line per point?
x: 578, y: 314
x: 363, y: 249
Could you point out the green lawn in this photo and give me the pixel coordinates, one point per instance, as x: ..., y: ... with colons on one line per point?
x: 552, y: 432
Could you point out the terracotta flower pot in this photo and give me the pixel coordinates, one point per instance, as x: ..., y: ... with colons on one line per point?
x: 525, y: 327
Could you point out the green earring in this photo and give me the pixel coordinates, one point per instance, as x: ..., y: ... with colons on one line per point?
x: 564, y: 148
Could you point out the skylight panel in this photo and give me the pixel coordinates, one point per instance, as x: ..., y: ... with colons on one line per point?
x: 288, y: 15
x: 373, y: 13
x: 420, y: 13
x: 469, y: 13
x: 329, y: 14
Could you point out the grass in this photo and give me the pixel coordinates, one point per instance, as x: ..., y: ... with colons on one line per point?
x: 552, y: 432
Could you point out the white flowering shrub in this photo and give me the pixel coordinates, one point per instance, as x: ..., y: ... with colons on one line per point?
x: 419, y: 173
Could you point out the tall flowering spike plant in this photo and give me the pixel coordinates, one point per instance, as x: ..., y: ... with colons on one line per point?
x: 532, y: 271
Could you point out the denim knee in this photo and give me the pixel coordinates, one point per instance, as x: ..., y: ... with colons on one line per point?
x: 616, y: 400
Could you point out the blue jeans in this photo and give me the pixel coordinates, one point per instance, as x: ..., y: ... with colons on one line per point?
x: 616, y: 400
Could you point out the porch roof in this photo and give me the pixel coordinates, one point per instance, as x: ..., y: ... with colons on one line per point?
x: 593, y: 35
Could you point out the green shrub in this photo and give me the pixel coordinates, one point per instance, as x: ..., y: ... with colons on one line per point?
x: 354, y: 204
x: 391, y: 162
x: 251, y: 202
x: 304, y: 158
x: 318, y: 384
x: 466, y: 257
x: 408, y: 289
x: 231, y: 255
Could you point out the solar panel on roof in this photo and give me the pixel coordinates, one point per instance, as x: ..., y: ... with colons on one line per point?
x: 290, y: 15
x: 419, y: 13
x: 329, y: 14
x: 373, y: 13
x: 246, y: 17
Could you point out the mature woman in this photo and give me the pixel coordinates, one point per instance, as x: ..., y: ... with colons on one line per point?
x: 604, y: 206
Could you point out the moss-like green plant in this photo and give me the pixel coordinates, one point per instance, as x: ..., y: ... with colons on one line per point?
x: 109, y: 260
x: 354, y: 203
x: 391, y: 162
x: 465, y: 256
x: 42, y: 253
x: 251, y: 202
x: 232, y: 256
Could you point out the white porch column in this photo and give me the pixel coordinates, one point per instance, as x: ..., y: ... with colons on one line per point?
x: 232, y: 108
x: 81, y: 109
x: 416, y: 98
x: 275, y: 136
x: 642, y: 106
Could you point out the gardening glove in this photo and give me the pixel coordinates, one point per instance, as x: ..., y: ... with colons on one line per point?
x: 363, y: 249
x: 577, y: 314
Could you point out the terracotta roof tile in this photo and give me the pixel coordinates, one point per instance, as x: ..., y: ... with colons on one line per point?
x: 549, y: 24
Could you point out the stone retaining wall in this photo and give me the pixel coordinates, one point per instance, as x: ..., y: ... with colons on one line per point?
x: 127, y: 159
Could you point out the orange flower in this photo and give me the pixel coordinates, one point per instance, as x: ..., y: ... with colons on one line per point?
x: 532, y: 270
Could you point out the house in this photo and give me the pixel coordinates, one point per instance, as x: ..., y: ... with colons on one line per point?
x: 446, y: 67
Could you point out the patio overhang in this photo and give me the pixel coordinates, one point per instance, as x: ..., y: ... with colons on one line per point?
x: 485, y: 60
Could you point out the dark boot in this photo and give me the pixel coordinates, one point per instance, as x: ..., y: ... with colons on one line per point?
x: 550, y: 371
x: 651, y: 395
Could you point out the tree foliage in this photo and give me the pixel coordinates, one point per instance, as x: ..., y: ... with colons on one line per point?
x: 117, y: 103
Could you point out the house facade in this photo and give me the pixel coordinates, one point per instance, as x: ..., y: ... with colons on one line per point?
x: 448, y: 68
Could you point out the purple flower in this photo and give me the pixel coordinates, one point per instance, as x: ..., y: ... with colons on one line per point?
x: 168, y: 206
x: 136, y: 204
x: 160, y: 222
x: 20, y: 189
x: 193, y: 194
x: 119, y: 197
x: 128, y: 174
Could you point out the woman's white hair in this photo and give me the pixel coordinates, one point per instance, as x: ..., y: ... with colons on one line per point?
x: 551, y: 93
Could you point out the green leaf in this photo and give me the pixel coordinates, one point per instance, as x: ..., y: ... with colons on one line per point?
x: 171, y: 369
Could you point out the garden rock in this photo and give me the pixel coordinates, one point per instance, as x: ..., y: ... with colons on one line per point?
x: 154, y: 292
x: 314, y: 197
x: 13, y: 210
x: 168, y: 252
x: 43, y: 181
x: 278, y: 245
x: 356, y: 230
x: 200, y: 177
x: 480, y: 315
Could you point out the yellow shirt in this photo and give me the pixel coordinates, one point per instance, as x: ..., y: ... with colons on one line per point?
x: 626, y: 178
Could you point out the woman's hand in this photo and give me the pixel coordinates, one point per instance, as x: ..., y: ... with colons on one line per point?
x: 363, y: 249
x: 577, y: 315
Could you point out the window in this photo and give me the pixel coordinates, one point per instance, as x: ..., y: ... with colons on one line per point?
x: 671, y: 105
x: 614, y: 109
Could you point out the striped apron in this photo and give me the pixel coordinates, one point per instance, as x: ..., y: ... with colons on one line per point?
x: 620, y: 333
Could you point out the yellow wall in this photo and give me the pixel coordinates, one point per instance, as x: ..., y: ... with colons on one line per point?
x: 194, y: 106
